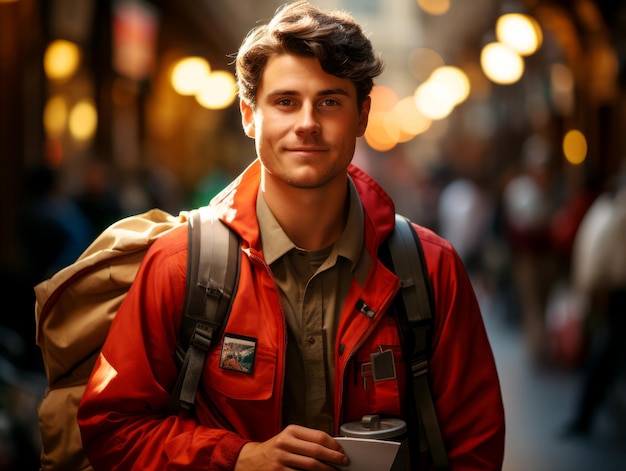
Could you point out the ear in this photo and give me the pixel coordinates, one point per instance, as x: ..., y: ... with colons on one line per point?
x: 364, y: 116
x: 247, y: 118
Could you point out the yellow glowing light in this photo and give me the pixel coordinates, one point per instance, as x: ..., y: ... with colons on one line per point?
x: 391, y: 127
x: 55, y: 116
x: 520, y: 32
x: 383, y: 99
x: 218, y: 91
x: 61, y: 59
x: 434, y: 7
x: 433, y: 100
x: 454, y: 80
x: 380, y: 135
x: 408, y: 117
x: 575, y: 147
x: 83, y: 120
x: 501, y: 64
x: 189, y: 74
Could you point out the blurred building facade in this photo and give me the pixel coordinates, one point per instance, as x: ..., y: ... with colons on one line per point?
x: 128, y: 48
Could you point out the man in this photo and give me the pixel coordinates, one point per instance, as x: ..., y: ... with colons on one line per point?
x: 311, y: 225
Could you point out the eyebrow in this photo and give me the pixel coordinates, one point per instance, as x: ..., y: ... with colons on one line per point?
x: 322, y: 93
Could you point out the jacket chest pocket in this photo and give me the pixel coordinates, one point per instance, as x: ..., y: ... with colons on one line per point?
x: 240, y: 371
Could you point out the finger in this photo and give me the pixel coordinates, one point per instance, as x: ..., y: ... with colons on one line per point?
x: 313, y: 435
x: 313, y: 444
x: 321, y: 452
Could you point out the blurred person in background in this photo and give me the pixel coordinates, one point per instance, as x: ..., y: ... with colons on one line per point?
x: 565, y: 310
x: 466, y: 216
x: 528, y: 204
x: 53, y: 229
x: 98, y: 196
x: 314, y: 298
x: 599, y: 273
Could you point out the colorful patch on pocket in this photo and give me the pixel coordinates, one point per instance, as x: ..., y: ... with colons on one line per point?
x: 238, y: 353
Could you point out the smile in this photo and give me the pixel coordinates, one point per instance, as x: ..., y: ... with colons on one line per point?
x: 307, y: 150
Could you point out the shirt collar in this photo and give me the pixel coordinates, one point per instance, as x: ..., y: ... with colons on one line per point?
x: 275, y: 242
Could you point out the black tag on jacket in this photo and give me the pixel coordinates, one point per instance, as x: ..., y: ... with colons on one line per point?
x: 383, y: 365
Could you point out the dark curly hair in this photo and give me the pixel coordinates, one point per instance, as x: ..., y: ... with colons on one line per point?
x: 332, y: 37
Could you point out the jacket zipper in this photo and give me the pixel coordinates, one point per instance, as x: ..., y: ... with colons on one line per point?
x: 260, y: 261
x: 383, y: 309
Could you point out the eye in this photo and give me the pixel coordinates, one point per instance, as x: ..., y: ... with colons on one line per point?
x: 329, y: 102
x: 285, y: 102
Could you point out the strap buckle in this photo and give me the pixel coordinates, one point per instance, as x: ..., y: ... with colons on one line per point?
x: 419, y: 368
x: 202, y: 336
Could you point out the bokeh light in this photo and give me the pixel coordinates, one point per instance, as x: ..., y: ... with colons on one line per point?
x: 575, y: 147
x: 433, y: 100
x: 383, y: 98
x: 381, y: 135
x: 520, y: 32
x: 218, y: 90
x: 55, y: 116
x: 61, y: 59
x: 434, y: 7
x: 454, y: 80
x: 409, y: 118
x: 83, y: 120
x: 501, y: 64
x: 189, y: 74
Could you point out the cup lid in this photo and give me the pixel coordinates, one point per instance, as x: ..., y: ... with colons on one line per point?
x: 372, y: 426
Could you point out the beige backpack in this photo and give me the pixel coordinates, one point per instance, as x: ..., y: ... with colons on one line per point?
x: 75, y: 307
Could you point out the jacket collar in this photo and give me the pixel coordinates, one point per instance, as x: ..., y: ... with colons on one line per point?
x: 236, y: 205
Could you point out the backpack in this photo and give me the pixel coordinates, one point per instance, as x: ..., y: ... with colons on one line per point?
x: 74, y: 310
x: 75, y: 307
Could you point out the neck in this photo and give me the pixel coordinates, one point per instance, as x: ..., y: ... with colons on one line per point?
x: 312, y: 218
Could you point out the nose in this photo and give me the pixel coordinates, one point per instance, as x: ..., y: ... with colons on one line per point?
x: 307, y: 119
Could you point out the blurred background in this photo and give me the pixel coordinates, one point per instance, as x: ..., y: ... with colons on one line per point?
x: 498, y: 124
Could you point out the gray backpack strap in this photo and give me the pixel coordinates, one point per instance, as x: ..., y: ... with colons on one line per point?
x: 410, y: 266
x: 212, y: 274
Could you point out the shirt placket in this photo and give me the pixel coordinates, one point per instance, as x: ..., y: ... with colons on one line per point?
x: 312, y: 341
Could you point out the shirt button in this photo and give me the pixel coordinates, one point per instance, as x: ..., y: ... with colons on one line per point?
x: 311, y: 340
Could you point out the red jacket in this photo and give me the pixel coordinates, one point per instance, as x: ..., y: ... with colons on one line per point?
x: 120, y: 414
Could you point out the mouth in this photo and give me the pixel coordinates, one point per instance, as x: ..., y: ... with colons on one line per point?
x: 306, y: 150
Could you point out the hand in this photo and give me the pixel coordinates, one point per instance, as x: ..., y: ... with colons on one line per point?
x: 296, y: 447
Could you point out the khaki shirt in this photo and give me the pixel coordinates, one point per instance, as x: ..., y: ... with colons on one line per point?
x: 313, y: 287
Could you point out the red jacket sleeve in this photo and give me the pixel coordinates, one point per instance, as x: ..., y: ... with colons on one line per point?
x: 121, y: 416
x: 465, y: 383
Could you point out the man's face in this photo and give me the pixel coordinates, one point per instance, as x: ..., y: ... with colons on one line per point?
x: 305, y: 124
